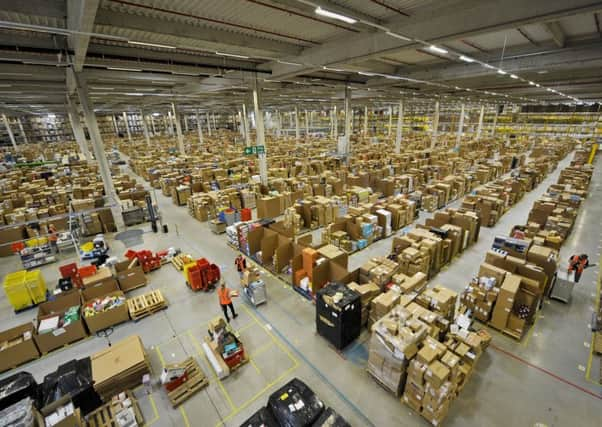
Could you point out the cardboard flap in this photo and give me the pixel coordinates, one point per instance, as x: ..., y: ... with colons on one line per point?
x: 100, y: 289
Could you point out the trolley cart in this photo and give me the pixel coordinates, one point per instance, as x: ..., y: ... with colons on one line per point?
x: 256, y: 292
x: 562, y: 289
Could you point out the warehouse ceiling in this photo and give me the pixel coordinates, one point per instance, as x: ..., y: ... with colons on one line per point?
x: 208, y: 54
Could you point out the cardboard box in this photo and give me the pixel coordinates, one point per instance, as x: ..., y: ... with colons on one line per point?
x: 75, y: 331
x: 437, y: 373
x: 17, y: 346
x: 129, y: 278
x: 108, y: 318
x: 334, y: 254
x: 103, y: 273
x: 505, y: 301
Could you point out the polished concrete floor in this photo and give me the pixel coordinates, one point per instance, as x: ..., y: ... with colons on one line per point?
x: 549, y: 378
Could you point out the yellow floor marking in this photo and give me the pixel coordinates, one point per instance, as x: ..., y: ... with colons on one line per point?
x: 155, y: 411
x: 184, y: 416
x: 254, y: 365
x: 161, y: 359
x: 261, y: 349
x: 590, y: 359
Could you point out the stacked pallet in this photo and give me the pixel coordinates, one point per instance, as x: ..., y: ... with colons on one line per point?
x: 195, y: 382
x: 120, y: 411
x: 119, y: 367
x: 146, y: 304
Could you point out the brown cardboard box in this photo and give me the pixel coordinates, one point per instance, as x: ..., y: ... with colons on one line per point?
x: 505, y: 301
x: 334, y: 254
x: 437, y: 373
x: 108, y: 318
x: 16, y: 348
x: 102, y: 274
x: 75, y: 331
x: 129, y: 278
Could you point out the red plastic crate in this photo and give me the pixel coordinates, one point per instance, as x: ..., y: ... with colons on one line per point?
x: 87, y: 271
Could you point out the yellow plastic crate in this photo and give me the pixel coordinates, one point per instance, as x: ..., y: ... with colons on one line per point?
x: 16, y: 291
x: 87, y: 247
x: 36, y: 286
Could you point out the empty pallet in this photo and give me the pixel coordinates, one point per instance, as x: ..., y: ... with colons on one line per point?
x: 196, y: 381
x: 180, y: 260
x: 107, y: 414
x: 146, y: 304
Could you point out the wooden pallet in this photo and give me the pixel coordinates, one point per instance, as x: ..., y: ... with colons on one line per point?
x: 146, y: 304
x: 105, y: 415
x: 180, y: 260
x: 196, y: 382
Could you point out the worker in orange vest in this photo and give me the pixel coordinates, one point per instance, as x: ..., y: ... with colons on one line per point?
x: 53, y: 237
x: 241, y: 264
x: 225, y: 300
x: 578, y: 263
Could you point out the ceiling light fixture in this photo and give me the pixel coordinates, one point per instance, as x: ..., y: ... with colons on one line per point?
x: 502, y: 72
x: 164, y: 46
x: 513, y: 76
x: 399, y: 36
x: 232, y: 55
x: 334, y: 15
x: 288, y: 63
x: 124, y: 69
x: 466, y: 58
x: 332, y: 69
x: 532, y: 83
x: 364, y: 73
x: 491, y: 67
x: 437, y: 49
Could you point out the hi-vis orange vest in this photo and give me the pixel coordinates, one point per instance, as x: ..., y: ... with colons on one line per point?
x: 577, y: 264
x: 224, y: 296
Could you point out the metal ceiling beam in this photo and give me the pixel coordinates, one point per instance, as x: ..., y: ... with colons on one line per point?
x: 80, y: 18
x: 451, y: 21
x: 49, y: 8
x: 196, y: 33
x: 556, y: 32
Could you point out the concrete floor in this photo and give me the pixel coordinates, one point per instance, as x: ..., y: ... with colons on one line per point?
x: 550, y: 377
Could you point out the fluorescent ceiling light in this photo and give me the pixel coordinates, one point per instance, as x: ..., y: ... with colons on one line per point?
x: 123, y: 69
x: 502, y: 72
x: 537, y: 84
x: 513, y: 76
x: 288, y: 63
x: 466, y: 58
x: 334, y: 15
x: 532, y: 83
x: 164, y: 46
x: 491, y: 67
x: 363, y: 73
x: 232, y: 55
x: 332, y: 69
x: 399, y: 36
x: 550, y: 90
x: 437, y: 49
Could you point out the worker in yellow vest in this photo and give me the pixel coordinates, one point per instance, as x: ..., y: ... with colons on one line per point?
x: 225, y: 300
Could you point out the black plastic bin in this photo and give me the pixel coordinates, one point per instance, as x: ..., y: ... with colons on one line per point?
x: 297, y: 395
x: 340, y: 323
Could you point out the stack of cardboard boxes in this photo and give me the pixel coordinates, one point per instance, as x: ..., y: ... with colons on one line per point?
x: 367, y: 292
x: 378, y: 270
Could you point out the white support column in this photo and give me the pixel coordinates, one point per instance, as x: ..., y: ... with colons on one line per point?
x: 115, y: 125
x: 335, y: 124
x: 23, y: 135
x: 480, y: 127
x: 152, y: 122
x: 311, y: 119
x: 185, y: 118
x: 245, y: 123
x: 99, y: 153
x: 297, y: 130
x: 145, y: 128
x: 348, y: 114
x: 494, y: 121
x: 127, y: 126
x: 199, y: 127
x: 460, y: 127
x: 214, y: 122
x: 279, y: 124
x: 365, y: 121
x: 10, y: 132
x: 390, y: 132
x: 435, y: 125
x: 78, y: 130
x: 399, y: 128
x: 306, y: 125
x: 208, y: 123
x: 180, y: 138
x: 241, y: 126
x: 167, y: 123
x: 263, y: 163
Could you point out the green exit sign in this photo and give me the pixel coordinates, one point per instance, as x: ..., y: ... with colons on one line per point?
x: 256, y: 149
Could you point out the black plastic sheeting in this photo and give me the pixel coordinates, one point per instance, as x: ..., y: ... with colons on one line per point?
x: 330, y: 418
x: 295, y: 405
x: 261, y: 418
x: 16, y: 388
x: 73, y: 378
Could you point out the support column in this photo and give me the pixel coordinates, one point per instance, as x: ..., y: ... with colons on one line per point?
x: 348, y: 114
x: 185, y: 123
x: 306, y: 125
x: 208, y: 123
x: 460, y: 127
x: 495, y: 120
x: 263, y: 163
x: 279, y: 125
x: 297, y: 130
x: 390, y: 132
x: 335, y: 124
x: 152, y: 122
x: 127, y: 126
x: 214, y: 122
x: 22, y: 131
x: 245, y: 123
x: 435, y: 125
x: 78, y: 130
x: 365, y: 121
x: 99, y: 153
x: 145, y: 129
x: 10, y: 132
x: 115, y: 124
x: 180, y: 138
x: 167, y: 123
x: 199, y: 127
x: 480, y: 127
x: 241, y: 126
x: 399, y: 128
